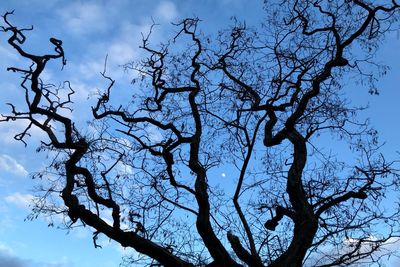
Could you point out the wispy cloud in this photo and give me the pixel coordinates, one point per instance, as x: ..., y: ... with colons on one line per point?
x: 166, y: 11
x: 11, y: 128
x: 19, y: 199
x: 9, y: 164
x: 84, y: 18
x: 8, y: 55
x: 385, y: 252
x: 8, y: 258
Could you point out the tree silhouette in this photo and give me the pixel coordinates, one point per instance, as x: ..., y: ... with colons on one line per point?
x: 258, y: 102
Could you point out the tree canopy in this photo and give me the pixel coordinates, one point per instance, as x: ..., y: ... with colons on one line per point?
x: 268, y: 103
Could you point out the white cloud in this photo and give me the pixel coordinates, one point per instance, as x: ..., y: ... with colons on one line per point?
x: 9, y: 129
x: 88, y: 68
x: 386, y: 250
x: 20, y: 200
x: 84, y: 18
x: 124, y: 46
x: 10, y: 165
x: 8, y: 55
x: 166, y: 11
x: 223, y: 174
x: 121, y: 52
x: 5, y: 249
x: 124, y: 169
x: 8, y: 258
x: 121, y: 46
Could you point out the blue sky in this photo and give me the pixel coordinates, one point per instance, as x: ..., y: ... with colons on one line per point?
x: 90, y: 30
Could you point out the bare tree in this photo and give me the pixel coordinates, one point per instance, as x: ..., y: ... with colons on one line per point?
x: 256, y: 101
